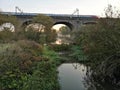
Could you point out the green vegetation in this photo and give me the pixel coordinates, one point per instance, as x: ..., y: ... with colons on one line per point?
x: 50, y: 35
x: 43, y: 78
x: 45, y: 74
x: 43, y: 33
x: 65, y: 35
x: 16, y: 62
x: 6, y: 36
x: 25, y: 63
x: 101, y: 44
x: 78, y: 54
x: 60, y: 47
x: 48, y: 53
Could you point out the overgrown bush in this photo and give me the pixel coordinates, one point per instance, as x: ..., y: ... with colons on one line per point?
x: 31, y: 34
x: 77, y: 54
x: 41, y: 36
x: 26, y: 65
x: 43, y: 78
x: 16, y: 63
x: 44, y: 34
x: 6, y: 35
x: 100, y: 42
x: 45, y: 74
x: 60, y: 47
x: 109, y: 71
x: 24, y: 61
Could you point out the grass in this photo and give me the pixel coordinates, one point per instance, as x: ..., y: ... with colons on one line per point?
x: 4, y: 47
x: 78, y: 54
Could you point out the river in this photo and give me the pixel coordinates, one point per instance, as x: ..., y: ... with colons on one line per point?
x: 76, y: 76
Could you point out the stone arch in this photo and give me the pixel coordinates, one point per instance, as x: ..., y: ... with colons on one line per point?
x: 65, y: 23
x: 32, y: 23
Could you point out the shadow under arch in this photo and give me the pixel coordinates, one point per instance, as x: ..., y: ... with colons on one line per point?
x: 65, y: 23
x: 26, y: 23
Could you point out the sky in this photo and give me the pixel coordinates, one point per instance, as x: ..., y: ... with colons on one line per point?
x: 86, y: 7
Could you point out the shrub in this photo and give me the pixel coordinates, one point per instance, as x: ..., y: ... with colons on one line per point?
x: 43, y: 78
x: 61, y: 47
x: 17, y: 62
x: 52, y: 55
x: 101, y: 43
x: 102, y: 40
x: 6, y: 35
x: 34, y: 35
x: 77, y: 54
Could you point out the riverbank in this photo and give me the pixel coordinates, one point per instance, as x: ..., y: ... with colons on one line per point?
x: 27, y: 65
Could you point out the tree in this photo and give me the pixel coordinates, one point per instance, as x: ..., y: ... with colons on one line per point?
x: 65, y: 30
x: 46, y: 22
x: 111, y: 12
x: 101, y: 44
x: 64, y: 34
x: 6, y: 33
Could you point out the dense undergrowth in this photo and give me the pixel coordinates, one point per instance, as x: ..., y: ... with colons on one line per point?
x: 77, y: 54
x: 60, y: 47
x: 26, y: 65
x: 101, y: 44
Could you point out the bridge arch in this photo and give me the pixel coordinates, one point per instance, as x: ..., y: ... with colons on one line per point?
x: 7, y: 26
x: 31, y: 25
x: 65, y: 23
x: 10, y: 22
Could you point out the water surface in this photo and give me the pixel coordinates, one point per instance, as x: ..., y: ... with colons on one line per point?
x: 76, y: 76
x: 72, y: 76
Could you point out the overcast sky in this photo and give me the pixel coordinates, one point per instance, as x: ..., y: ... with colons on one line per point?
x: 86, y: 7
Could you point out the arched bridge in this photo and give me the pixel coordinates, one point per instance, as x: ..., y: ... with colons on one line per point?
x: 72, y: 21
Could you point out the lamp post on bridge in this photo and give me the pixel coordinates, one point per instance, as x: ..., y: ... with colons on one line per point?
x: 18, y: 9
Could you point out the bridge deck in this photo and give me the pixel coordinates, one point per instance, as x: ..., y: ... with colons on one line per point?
x: 51, y: 15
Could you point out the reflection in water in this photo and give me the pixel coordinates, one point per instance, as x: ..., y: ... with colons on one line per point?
x: 75, y: 76
x: 71, y: 76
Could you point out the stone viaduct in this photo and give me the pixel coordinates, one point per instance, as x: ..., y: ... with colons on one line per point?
x: 72, y: 21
